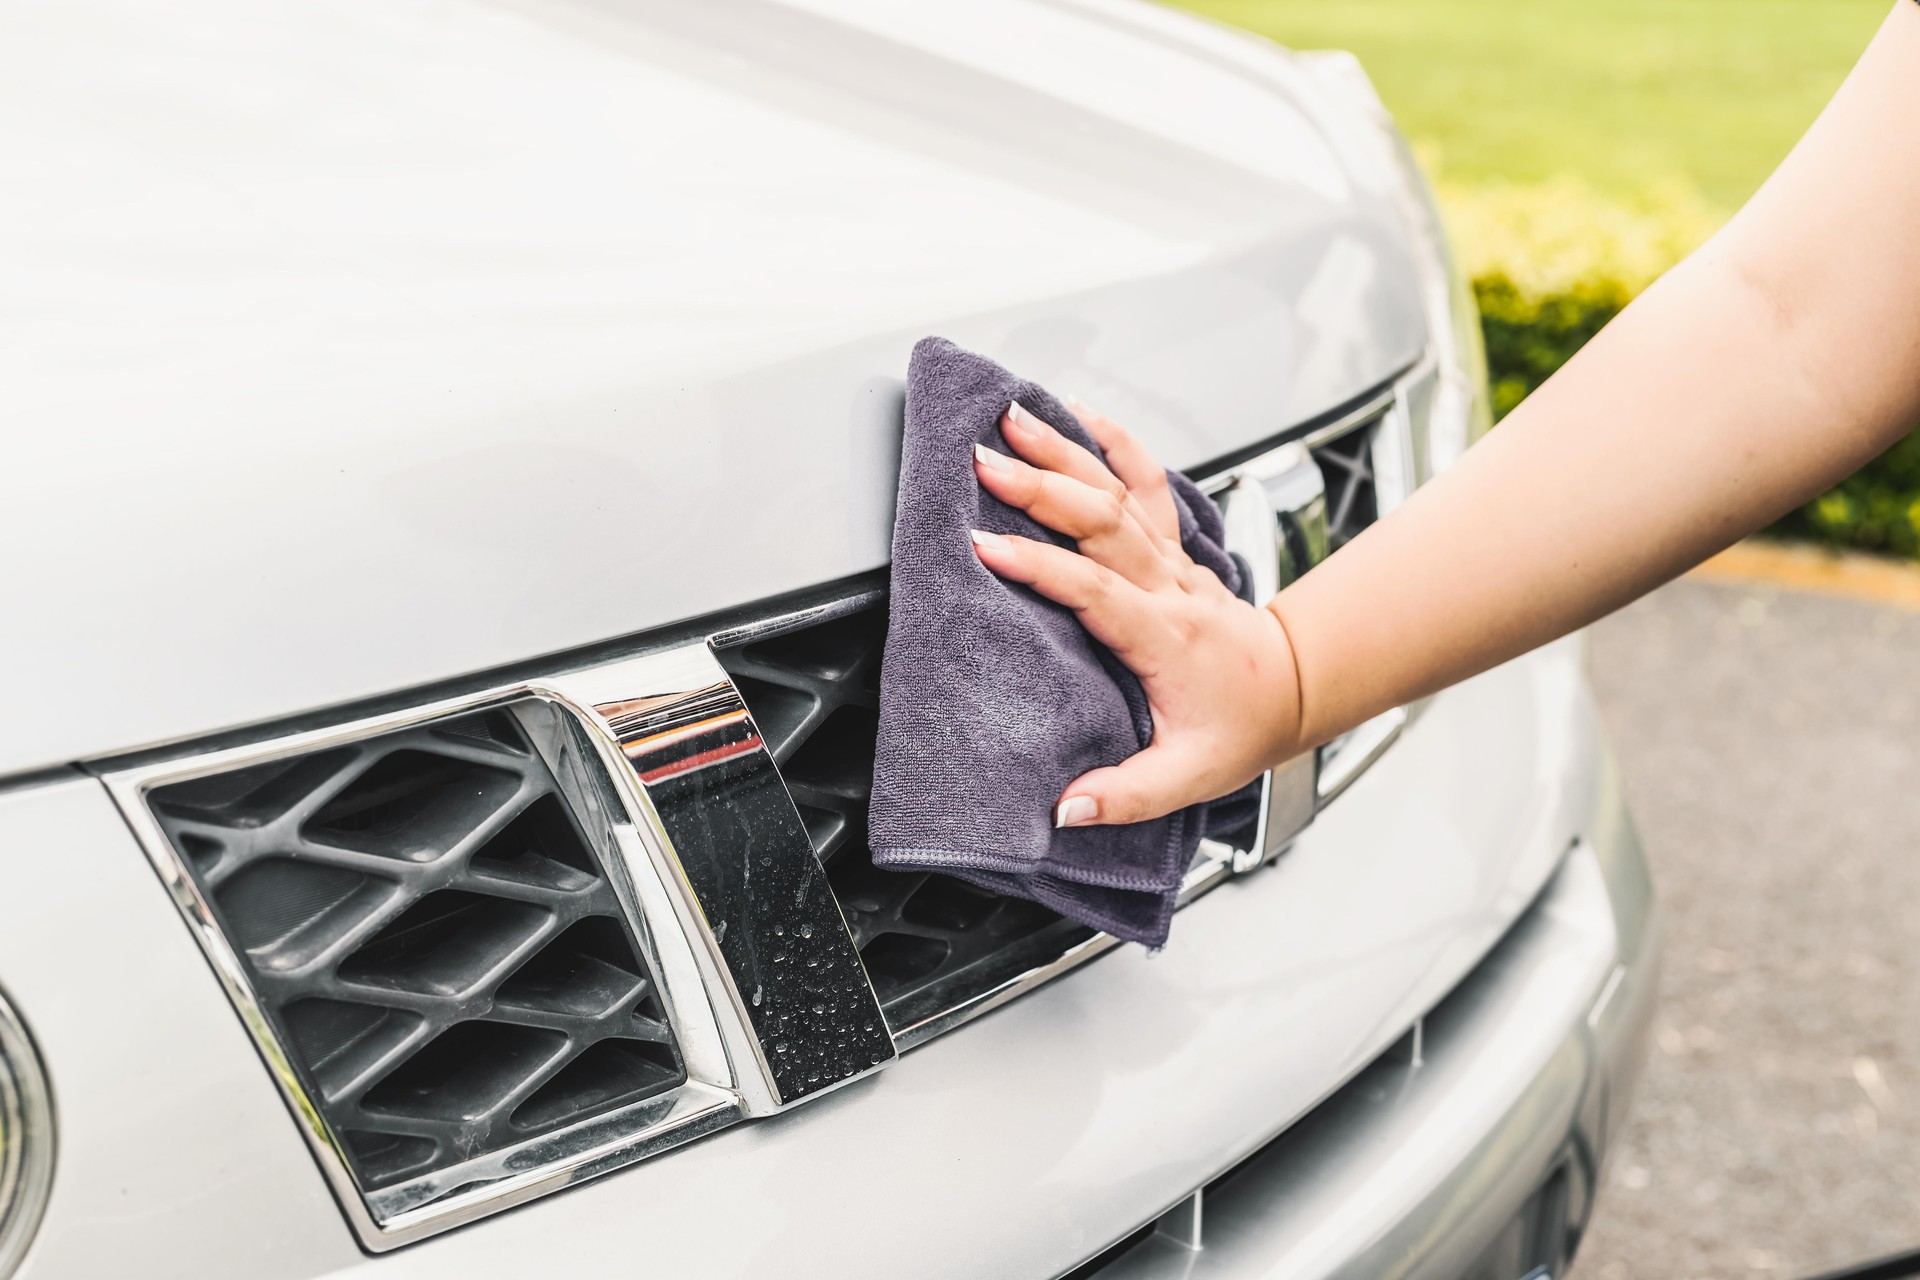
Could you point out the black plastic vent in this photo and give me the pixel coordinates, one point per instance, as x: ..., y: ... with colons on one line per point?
x: 1346, y: 467
x: 815, y: 695
x: 433, y: 939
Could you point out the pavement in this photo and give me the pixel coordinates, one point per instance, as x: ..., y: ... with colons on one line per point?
x: 1770, y: 740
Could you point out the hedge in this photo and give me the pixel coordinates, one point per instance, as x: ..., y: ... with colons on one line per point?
x: 1551, y: 265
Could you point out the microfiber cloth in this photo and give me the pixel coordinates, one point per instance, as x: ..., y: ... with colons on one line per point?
x: 993, y: 698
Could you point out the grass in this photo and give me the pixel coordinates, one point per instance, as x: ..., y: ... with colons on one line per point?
x: 1626, y: 95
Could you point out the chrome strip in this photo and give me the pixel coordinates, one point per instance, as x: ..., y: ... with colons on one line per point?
x: 781, y: 623
x: 527, y: 1172
x: 1371, y: 408
x: 1377, y: 402
x: 793, y: 985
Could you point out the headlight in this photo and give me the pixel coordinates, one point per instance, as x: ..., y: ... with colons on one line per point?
x: 1459, y: 411
x: 26, y: 1140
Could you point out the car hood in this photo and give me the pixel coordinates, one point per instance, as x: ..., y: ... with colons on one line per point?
x: 358, y: 344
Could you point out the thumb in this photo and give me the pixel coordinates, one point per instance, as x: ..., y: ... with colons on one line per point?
x: 1147, y: 785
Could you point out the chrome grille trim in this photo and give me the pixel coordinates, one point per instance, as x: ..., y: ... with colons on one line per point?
x: 782, y: 971
x: 781, y: 623
x: 611, y: 783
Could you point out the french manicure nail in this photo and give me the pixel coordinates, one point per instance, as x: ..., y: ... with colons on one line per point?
x: 1021, y: 419
x: 984, y: 539
x: 991, y: 459
x: 1075, y: 810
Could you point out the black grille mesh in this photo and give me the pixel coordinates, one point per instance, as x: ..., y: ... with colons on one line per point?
x: 433, y: 939
x: 815, y: 695
x: 1346, y: 467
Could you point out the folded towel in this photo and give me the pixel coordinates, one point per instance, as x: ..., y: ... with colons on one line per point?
x: 993, y: 698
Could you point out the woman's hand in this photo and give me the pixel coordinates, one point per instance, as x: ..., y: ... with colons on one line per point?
x: 1218, y: 673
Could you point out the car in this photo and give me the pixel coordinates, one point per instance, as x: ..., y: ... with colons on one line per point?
x: 453, y: 456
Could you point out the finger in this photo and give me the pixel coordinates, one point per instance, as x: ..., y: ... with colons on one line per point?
x: 1106, y: 527
x: 1044, y: 447
x: 1113, y: 610
x: 1151, y: 784
x: 1136, y: 468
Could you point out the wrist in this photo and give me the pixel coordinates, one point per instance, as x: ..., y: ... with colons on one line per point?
x: 1291, y: 733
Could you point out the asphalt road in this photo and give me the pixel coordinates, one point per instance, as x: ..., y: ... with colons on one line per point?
x: 1770, y: 742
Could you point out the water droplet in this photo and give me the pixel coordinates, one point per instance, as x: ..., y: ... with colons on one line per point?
x: 813, y: 962
x: 813, y: 1077
x: 756, y: 997
x: 806, y: 931
x: 779, y: 931
x: 818, y: 1007
x: 779, y: 1046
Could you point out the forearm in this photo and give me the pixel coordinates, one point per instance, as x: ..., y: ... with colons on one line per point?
x: 1643, y: 455
x: 1774, y: 362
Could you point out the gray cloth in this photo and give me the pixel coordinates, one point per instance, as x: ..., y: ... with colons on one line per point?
x: 993, y: 698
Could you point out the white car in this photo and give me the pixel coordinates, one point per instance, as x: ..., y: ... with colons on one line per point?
x: 451, y: 451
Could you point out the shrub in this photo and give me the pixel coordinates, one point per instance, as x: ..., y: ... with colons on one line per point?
x: 1551, y: 264
x: 1877, y: 508
x: 1529, y: 336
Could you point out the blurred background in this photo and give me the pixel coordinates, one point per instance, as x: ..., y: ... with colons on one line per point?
x: 1764, y: 710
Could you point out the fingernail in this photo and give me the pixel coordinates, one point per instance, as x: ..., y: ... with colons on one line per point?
x: 1021, y: 419
x: 991, y: 460
x: 982, y: 538
x: 1075, y: 810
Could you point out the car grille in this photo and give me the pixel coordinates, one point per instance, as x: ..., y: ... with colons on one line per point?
x: 436, y: 945
x: 1346, y: 467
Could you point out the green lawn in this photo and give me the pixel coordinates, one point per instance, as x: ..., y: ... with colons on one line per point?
x: 1621, y: 93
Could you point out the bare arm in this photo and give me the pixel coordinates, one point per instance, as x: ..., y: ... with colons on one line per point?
x: 1773, y: 362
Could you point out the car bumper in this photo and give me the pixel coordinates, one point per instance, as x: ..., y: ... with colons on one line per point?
x: 1472, y: 1148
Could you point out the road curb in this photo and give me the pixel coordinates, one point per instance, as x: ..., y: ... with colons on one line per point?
x: 1834, y: 573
